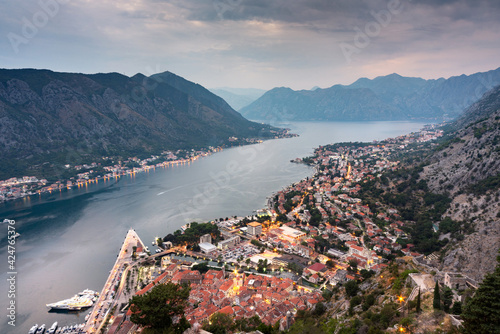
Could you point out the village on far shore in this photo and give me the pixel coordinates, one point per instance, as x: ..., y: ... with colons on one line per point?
x: 81, y: 175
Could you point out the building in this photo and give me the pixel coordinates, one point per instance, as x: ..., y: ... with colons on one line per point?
x: 206, y: 238
x: 425, y: 282
x: 289, y: 234
x: 254, y: 228
x: 316, y: 268
x: 455, y: 281
x: 207, y: 248
x: 336, y: 253
x: 231, y: 242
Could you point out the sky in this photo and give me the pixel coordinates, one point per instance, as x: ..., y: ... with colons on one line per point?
x: 253, y: 43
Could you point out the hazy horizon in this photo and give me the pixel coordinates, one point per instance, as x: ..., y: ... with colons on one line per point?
x: 249, y: 43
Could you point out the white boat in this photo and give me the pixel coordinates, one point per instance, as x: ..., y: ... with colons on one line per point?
x: 33, y: 329
x: 52, y: 328
x: 81, y: 300
x: 41, y: 329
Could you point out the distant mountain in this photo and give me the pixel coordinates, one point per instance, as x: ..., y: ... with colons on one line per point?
x: 238, y: 97
x: 390, y: 97
x: 54, y: 118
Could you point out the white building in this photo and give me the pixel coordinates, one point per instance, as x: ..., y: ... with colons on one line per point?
x: 207, y: 247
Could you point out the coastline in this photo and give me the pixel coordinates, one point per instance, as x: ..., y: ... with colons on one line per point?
x: 117, y: 171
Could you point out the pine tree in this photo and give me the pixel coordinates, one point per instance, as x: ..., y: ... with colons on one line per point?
x: 457, y: 308
x: 418, y: 302
x: 447, y: 298
x: 437, y: 298
x: 482, y: 313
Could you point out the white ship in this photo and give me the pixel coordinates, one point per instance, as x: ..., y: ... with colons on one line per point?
x: 81, y: 300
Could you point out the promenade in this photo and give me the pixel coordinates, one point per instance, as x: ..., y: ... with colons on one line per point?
x: 107, y: 298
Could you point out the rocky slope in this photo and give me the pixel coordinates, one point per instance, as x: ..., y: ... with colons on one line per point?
x: 50, y: 117
x: 391, y: 97
x: 467, y: 166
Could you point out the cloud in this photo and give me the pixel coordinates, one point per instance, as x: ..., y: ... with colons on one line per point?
x: 258, y: 43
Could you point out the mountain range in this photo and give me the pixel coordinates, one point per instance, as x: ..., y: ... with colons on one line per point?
x: 49, y: 117
x: 391, y: 97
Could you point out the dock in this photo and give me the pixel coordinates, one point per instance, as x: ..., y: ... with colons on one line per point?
x: 107, y: 298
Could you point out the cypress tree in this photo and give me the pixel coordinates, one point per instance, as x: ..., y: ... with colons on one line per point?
x: 437, y: 298
x: 482, y: 313
x: 418, y: 302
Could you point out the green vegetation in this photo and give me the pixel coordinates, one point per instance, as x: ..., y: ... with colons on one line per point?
x: 436, y: 302
x: 482, y: 313
x: 201, y: 267
x: 221, y: 323
x: 257, y: 243
x: 157, y: 309
x: 295, y: 267
x: 192, y: 235
x: 483, y: 186
x: 351, y: 288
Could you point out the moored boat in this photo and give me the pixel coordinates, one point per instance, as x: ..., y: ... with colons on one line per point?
x: 52, y: 328
x: 41, y: 329
x: 33, y: 329
x: 81, y: 300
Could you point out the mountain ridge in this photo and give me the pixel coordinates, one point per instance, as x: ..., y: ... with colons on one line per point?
x: 49, y: 117
x: 391, y: 97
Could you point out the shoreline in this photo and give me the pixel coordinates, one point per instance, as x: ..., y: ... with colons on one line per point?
x: 121, y: 171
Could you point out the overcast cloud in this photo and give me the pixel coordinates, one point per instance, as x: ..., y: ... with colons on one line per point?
x: 254, y: 43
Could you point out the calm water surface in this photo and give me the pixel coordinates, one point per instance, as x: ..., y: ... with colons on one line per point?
x: 69, y: 241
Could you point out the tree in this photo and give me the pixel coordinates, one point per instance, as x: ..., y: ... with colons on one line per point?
x: 447, y: 298
x: 482, y: 313
x: 319, y: 309
x: 353, y: 265
x: 157, y: 308
x: 219, y: 323
x: 436, y: 303
x: 247, y: 324
x: 419, y: 308
x: 457, y: 308
x: 351, y: 288
x: 201, y: 267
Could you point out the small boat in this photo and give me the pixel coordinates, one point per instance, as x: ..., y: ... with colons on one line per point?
x: 41, y: 329
x: 52, y: 328
x: 33, y: 329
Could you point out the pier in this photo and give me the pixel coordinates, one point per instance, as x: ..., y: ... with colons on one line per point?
x: 108, y: 299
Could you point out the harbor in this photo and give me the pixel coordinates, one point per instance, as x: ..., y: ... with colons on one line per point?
x: 102, y: 303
